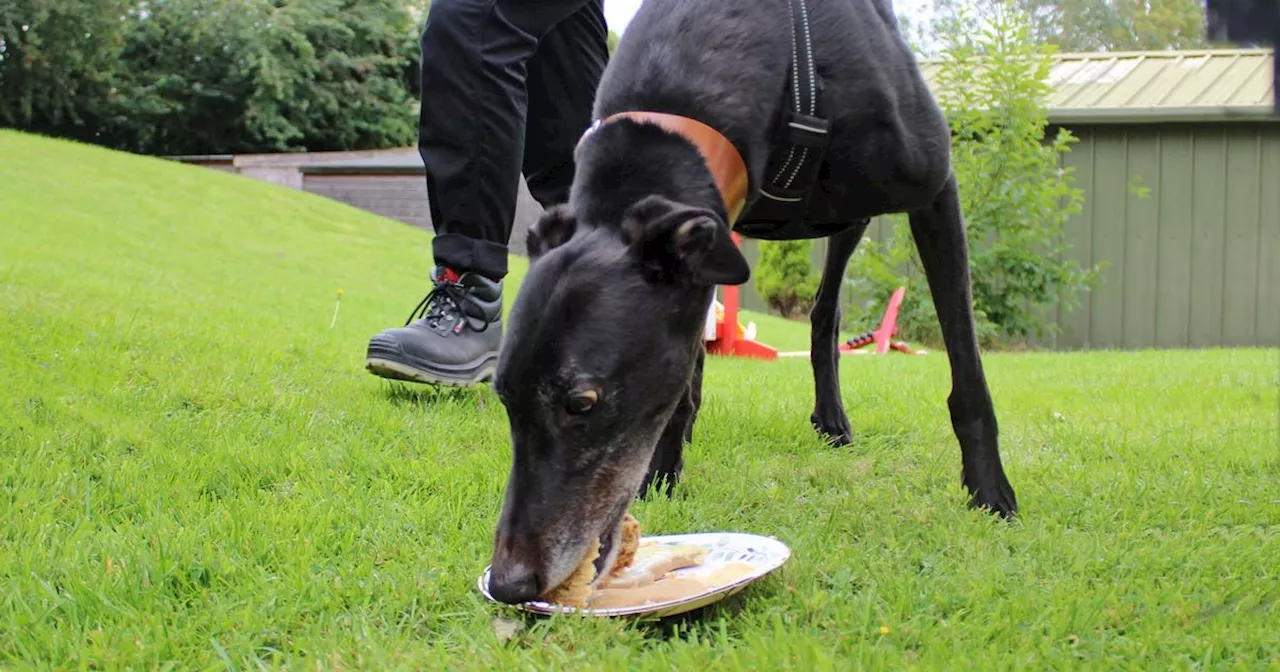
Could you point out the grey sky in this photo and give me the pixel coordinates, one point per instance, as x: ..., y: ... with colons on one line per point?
x: 619, y: 12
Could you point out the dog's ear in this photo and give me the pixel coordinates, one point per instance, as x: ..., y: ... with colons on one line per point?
x: 679, y: 241
x: 554, y: 228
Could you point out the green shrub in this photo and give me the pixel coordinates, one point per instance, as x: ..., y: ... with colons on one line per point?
x: 212, y: 76
x: 785, y: 276
x: 1015, y: 196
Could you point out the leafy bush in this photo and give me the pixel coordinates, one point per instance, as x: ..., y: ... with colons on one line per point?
x: 201, y: 76
x: 57, y: 61
x: 992, y: 84
x: 785, y: 276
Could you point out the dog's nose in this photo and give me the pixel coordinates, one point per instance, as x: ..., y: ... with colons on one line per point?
x: 513, y: 583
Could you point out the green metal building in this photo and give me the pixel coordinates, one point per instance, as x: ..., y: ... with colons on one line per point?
x: 1196, y: 263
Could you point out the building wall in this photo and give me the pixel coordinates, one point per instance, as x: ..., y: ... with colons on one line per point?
x: 404, y: 198
x: 399, y: 197
x: 224, y: 164
x: 284, y: 168
x: 1197, y: 262
x: 1194, y: 264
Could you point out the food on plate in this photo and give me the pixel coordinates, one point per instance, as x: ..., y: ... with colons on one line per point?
x: 668, y: 587
x: 575, y: 590
x: 644, y: 572
x: 654, y: 561
x: 628, y: 542
x: 671, y: 588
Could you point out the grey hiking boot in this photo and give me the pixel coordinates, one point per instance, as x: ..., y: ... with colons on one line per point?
x: 451, y: 338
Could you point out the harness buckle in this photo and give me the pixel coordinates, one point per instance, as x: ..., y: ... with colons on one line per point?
x: 806, y: 131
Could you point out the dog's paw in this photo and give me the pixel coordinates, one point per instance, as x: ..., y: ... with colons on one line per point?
x: 833, y: 427
x: 993, y: 493
x: 659, y: 483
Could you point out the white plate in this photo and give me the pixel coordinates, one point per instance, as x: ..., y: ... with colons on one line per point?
x: 765, y: 554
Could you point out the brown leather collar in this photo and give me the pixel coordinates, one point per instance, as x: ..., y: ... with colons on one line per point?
x: 723, y: 160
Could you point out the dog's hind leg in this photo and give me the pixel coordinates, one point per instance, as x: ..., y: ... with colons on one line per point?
x: 668, y: 456
x: 824, y: 352
x: 938, y: 231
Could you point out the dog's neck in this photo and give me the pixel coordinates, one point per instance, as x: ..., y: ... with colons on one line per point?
x: 722, y: 159
x: 622, y: 162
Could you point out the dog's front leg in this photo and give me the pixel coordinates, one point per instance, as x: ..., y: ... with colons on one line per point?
x: 824, y: 352
x: 668, y: 456
x: 939, y: 234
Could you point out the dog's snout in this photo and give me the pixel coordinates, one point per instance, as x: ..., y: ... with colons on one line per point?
x: 514, y: 575
x: 513, y: 583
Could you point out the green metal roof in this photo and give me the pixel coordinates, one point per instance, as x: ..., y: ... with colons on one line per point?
x: 1154, y: 86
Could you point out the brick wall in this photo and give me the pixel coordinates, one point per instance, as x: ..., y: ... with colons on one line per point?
x: 401, y: 197
x: 386, y: 182
x: 404, y: 198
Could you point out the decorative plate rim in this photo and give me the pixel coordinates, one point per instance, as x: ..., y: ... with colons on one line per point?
x: 761, y: 571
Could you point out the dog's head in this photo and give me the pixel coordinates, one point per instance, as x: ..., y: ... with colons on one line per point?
x: 600, y: 345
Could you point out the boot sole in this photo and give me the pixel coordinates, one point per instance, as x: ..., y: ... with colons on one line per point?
x: 463, y: 377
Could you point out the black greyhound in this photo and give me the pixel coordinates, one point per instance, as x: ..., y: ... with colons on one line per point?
x: 601, y: 368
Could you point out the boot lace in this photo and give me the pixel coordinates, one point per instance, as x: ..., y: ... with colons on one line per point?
x: 440, y: 308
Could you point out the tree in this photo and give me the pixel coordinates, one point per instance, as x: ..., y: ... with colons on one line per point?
x: 992, y: 84
x: 1162, y: 24
x: 785, y: 276
x: 198, y: 76
x: 1103, y: 25
x: 185, y: 76
x: 58, y: 63
x: 333, y: 76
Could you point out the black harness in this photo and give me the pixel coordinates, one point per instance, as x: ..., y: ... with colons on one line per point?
x: 791, y: 173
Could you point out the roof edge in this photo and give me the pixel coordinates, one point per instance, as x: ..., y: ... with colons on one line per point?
x: 191, y: 158
x: 1154, y: 53
x: 1147, y: 115
x: 360, y: 169
x: 1166, y: 53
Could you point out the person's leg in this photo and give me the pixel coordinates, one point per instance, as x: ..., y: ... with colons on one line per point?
x: 563, y: 76
x: 495, y: 75
x: 471, y: 139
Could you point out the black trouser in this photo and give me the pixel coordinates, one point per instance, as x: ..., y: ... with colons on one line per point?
x: 507, y: 85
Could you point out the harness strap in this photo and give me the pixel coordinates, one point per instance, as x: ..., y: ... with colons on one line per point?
x: 807, y: 132
x: 792, y: 169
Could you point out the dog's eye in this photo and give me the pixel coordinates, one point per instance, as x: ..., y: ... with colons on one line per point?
x: 581, y: 402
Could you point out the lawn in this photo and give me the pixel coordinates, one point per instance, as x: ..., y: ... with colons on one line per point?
x: 196, y: 472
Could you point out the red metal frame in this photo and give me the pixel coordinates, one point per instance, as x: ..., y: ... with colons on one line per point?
x: 889, y: 323
x: 883, y: 336
x: 727, y: 343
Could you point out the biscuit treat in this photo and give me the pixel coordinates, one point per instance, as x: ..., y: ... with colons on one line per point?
x: 628, y: 542
x: 577, y: 588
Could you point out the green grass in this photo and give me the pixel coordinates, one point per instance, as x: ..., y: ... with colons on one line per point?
x: 196, y: 472
x: 782, y: 334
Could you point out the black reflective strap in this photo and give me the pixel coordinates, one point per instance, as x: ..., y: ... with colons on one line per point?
x: 792, y: 170
x: 807, y: 133
x: 803, y: 70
